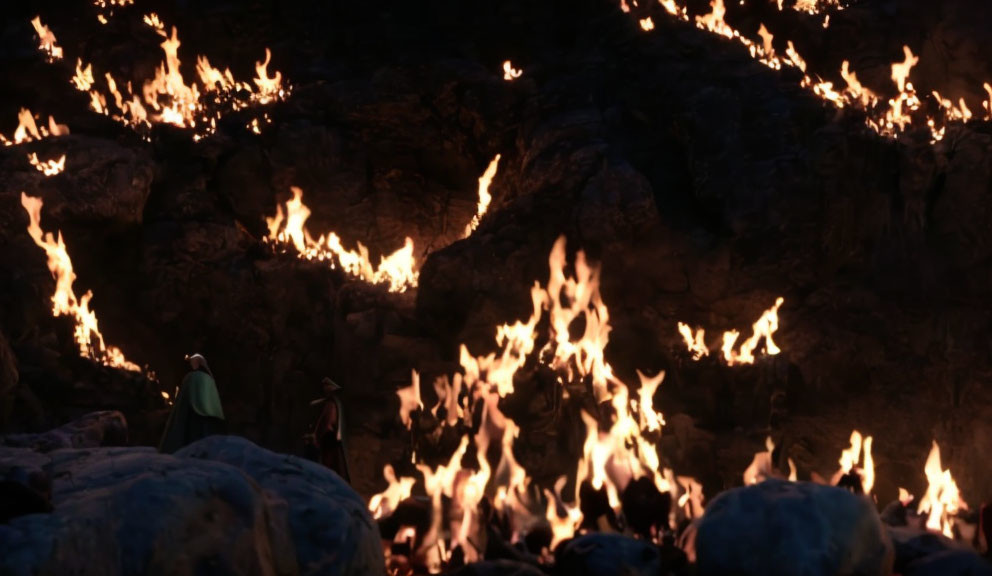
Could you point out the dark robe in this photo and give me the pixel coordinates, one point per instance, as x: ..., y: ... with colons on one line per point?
x: 196, y: 414
x: 329, y: 436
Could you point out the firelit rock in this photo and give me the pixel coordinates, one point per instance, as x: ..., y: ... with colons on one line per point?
x: 779, y: 528
x: 228, y: 507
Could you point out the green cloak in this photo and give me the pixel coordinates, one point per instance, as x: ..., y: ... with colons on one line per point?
x: 196, y: 414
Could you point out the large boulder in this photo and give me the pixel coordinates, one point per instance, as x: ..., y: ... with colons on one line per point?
x: 106, y: 428
x: 135, y: 511
x: 786, y: 528
x: 610, y: 555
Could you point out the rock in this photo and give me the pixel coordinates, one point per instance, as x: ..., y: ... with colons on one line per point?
x: 108, y: 428
x: 229, y: 507
x: 603, y: 554
x: 782, y: 528
x: 330, y: 527
x: 922, y: 553
x: 497, y: 568
x: 8, y: 379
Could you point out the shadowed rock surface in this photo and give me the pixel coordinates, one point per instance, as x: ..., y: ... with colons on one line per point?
x: 223, y: 506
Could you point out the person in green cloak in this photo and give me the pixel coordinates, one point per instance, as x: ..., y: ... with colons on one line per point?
x: 197, y: 412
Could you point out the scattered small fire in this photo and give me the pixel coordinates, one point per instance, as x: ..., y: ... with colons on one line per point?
x: 289, y: 228
x: 47, y: 167
x: 647, y: 24
x: 64, y: 301
x: 762, y: 330
x: 167, y: 97
x: 510, y: 73
x: 484, y: 196
x: 106, y: 8
x: 942, y: 499
x: 29, y: 131
x: 889, y: 117
x: 47, y: 42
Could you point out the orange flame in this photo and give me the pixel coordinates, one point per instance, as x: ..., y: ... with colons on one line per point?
x: 47, y: 167
x: 288, y: 228
x: 647, y: 24
x: 510, y: 73
x: 850, y: 457
x: 46, y: 40
x: 64, y: 301
x: 484, y: 196
x: 942, y: 499
x: 382, y: 504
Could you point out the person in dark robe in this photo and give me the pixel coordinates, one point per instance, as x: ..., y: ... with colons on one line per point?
x: 328, y: 432
x: 197, y: 412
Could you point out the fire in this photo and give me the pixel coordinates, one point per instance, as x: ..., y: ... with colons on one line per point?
x: 763, y: 329
x: 510, y: 73
x: 64, y: 302
x: 47, y: 167
x: 28, y: 130
x: 484, y: 196
x: 169, y: 99
x: 695, y: 343
x: 647, y: 24
x: 942, y: 499
x: 383, y: 504
x: 288, y: 229
x: 850, y: 457
x: 47, y: 42
x: 674, y: 9
x: 410, y: 399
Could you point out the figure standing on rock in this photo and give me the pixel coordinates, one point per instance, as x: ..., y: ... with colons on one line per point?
x: 197, y: 412
x: 328, y: 432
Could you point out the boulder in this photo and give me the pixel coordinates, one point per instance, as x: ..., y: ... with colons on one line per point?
x: 602, y: 554
x: 224, y: 507
x: 106, y: 428
x: 783, y: 528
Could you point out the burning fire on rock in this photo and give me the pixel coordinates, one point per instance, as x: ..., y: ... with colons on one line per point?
x: 288, y: 228
x: 888, y: 117
x: 761, y: 330
x: 64, y: 301
x: 47, y: 167
x: 167, y: 97
x: 28, y: 130
x: 618, y: 450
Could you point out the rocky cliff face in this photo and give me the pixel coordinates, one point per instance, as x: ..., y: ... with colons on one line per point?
x: 705, y: 183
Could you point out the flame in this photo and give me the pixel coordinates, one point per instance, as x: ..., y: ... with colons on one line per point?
x: 410, y: 399
x: 46, y: 40
x: 510, y: 73
x: 674, y: 9
x: 905, y: 498
x: 484, y: 196
x: 942, y: 499
x: 850, y: 457
x: 562, y: 527
x: 382, y: 504
x: 167, y: 97
x: 47, y: 167
x: 288, y: 228
x: 28, y: 130
x: 696, y: 344
x: 647, y: 24
x: 64, y: 302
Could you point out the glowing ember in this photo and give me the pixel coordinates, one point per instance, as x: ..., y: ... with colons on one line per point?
x: 484, y: 196
x: 64, y: 301
x: 647, y: 24
x: 46, y: 40
x: 942, y: 499
x: 510, y: 73
x: 47, y: 167
x: 288, y: 229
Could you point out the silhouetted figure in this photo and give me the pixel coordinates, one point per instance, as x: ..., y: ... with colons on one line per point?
x: 328, y: 432
x: 197, y: 412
